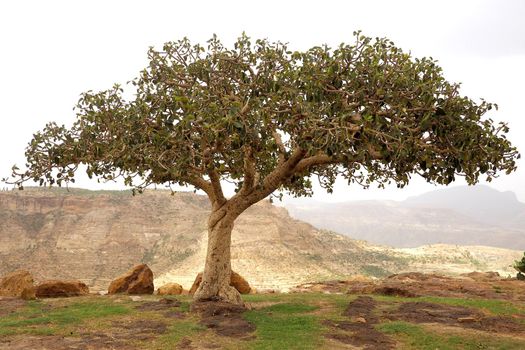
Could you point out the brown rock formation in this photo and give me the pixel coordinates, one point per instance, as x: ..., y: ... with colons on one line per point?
x: 236, y: 281
x: 170, y: 289
x: 138, y: 280
x: 14, y: 284
x: 29, y: 293
x: 239, y: 283
x: 61, y: 288
x: 196, y: 283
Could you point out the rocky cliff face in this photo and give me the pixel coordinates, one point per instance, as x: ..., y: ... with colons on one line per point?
x: 96, y: 236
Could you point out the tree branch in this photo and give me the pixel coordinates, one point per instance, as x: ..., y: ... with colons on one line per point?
x: 250, y: 172
x: 272, y: 181
x: 200, y: 183
x: 218, y: 195
x: 280, y: 146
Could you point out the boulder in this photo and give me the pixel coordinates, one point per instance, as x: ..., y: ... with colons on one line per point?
x: 236, y: 281
x: 239, y: 283
x: 29, y: 293
x: 138, y: 280
x: 61, y: 288
x: 14, y: 284
x: 196, y: 283
x: 170, y: 289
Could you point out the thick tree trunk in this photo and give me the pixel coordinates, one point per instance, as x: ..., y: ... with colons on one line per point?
x: 217, y: 269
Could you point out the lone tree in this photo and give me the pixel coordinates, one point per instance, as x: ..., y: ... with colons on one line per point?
x: 267, y: 118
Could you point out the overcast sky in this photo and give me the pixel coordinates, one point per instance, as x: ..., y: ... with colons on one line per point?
x: 51, y: 51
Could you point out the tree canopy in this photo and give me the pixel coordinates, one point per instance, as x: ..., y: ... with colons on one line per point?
x: 266, y: 118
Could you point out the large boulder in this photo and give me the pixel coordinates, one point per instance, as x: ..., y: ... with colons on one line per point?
x: 29, y: 293
x: 239, y: 283
x: 17, y: 284
x: 61, y: 288
x: 170, y: 289
x: 236, y: 281
x: 138, y: 280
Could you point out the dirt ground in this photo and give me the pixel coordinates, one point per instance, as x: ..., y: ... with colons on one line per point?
x: 359, y: 329
x: 350, y: 316
x: 225, y: 319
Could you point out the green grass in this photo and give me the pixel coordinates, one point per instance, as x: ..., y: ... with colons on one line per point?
x: 286, y: 326
x: 178, y: 330
x: 417, y: 337
x: 335, y: 303
x: 283, y: 321
x: 35, y: 319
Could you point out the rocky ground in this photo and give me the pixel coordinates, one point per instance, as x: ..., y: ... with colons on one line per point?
x: 405, y: 311
x: 489, y: 285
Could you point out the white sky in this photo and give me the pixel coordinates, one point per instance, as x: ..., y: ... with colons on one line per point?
x: 51, y: 51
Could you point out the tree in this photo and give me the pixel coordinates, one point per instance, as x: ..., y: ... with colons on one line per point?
x: 267, y: 118
x: 519, y: 265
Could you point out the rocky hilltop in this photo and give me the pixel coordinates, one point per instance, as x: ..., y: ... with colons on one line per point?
x: 95, y: 236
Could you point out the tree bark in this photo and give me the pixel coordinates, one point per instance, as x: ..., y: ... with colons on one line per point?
x: 217, y: 269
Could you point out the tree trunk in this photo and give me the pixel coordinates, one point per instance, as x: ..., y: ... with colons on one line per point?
x: 217, y: 269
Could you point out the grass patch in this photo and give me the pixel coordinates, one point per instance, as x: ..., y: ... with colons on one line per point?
x: 309, y: 298
x: 178, y: 330
x: 496, y: 307
x: 35, y: 319
x: 332, y: 305
x: 416, y: 337
x: 285, y: 326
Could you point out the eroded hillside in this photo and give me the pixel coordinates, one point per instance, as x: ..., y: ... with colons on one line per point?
x: 95, y: 236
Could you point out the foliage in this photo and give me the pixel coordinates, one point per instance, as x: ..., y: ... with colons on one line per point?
x: 519, y: 265
x: 266, y: 118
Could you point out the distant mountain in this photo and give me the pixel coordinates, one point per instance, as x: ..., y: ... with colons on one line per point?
x: 95, y: 236
x: 480, y: 202
x: 462, y: 215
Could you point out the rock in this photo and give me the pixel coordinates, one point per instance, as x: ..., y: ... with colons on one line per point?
x: 264, y: 291
x: 61, y: 288
x: 236, y: 281
x: 138, y: 280
x: 14, y: 284
x: 196, y: 283
x: 467, y: 319
x: 239, y: 283
x: 394, y: 291
x: 29, y: 293
x: 135, y: 298
x: 170, y: 289
x: 360, y: 320
x: 317, y: 288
